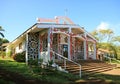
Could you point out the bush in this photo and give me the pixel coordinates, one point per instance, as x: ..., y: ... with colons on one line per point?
x: 33, y: 62
x: 3, y: 54
x: 19, y: 57
x: 50, y: 63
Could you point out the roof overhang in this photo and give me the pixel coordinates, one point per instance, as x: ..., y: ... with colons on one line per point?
x: 42, y: 26
x: 50, y: 25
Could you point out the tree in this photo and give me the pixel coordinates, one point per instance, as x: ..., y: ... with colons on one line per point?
x: 103, y: 35
x: 1, y: 29
x: 95, y: 34
x: 116, y: 38
x: 3, y: 40
x: 106, y: 40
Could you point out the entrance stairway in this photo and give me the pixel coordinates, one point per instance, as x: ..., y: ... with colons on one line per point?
x: 88, y: 67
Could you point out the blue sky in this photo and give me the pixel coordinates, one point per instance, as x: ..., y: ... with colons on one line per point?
x: 18, y: 15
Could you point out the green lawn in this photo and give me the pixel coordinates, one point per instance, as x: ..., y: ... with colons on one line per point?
x: 37, y: 73
x: 50, y: 75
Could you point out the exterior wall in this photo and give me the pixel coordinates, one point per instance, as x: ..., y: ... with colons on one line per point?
x: 38, y: 45
x: 17, y: 50
x: 32, y: 46
x: 79, y: 49
x: 91, y: 50
x: 13, y: 48
x: 44, y: 46
x: 8, y: 50
x: 63, y: 39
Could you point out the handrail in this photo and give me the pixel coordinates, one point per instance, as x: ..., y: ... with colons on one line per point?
x: 112, y: 59
x: 67, y: 60
x: 108, y: 58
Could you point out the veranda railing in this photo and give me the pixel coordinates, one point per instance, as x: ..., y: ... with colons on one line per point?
x: 58, y: 56
x: 110, y: 59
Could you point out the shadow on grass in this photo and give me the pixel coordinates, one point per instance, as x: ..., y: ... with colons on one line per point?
x: 99, y: 79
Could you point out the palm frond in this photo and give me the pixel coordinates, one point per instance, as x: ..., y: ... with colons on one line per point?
x: 2, y: 34
x: 1, y: 29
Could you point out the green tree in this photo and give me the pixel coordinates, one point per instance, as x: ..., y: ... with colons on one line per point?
x: 106, y: 40
x: 116, y: 38
x: 103, y: 35
x: 107, y: 34
x: 3, y: 40
x: 95, y: 34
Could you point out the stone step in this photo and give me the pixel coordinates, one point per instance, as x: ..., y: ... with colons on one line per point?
x: 88, y: 67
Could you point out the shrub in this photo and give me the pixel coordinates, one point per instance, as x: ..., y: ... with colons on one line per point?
x: 3, y: 54
x: 33, y: 62
x: 50, y: 62
x: 19, y: 57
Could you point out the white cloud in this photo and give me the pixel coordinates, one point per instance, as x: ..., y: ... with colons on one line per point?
x: 114, y: 27
x: 103, y: 25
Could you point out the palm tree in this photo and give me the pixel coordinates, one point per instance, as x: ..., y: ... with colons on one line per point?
x: 1, y: 29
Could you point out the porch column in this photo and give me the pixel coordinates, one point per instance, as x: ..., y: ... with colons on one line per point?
x: 69, y: 43
x: 85, y: 56
x: 26, y: 55
x: 85, y: 47
x: 39, y: 46
x: 49, y: 40
x: 94, y: 46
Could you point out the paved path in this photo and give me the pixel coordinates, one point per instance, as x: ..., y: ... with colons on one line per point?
x: 114, y: 71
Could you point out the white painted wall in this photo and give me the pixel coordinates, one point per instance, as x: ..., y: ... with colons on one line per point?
x: 17, y: 50
x: 62, y: 39
x: 45, y: 56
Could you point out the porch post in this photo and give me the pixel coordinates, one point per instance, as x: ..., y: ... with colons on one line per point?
x: 26, y: 56
x: 39, y: 47
x: 85, y: 48
x: 69, y: 43
x: 85, y: 57
x: 94, y: 45
x: 49, y: 40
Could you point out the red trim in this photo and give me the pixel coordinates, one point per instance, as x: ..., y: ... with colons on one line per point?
x: 96, y: 49
x: 51, y: 39
x: 87, y: 49
x: 59, y: 43
x: 55, y: 29
x: 40, y: 43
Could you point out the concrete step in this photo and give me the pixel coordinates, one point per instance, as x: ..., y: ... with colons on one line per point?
x: 88, y: 67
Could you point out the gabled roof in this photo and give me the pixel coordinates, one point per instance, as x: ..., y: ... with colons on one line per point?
x: 39, y: 26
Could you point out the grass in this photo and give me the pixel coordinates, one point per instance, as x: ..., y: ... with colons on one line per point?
x: 49, y: 75
x: 112, y: 78
x: 115, y: 61
x: 104, y: 78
